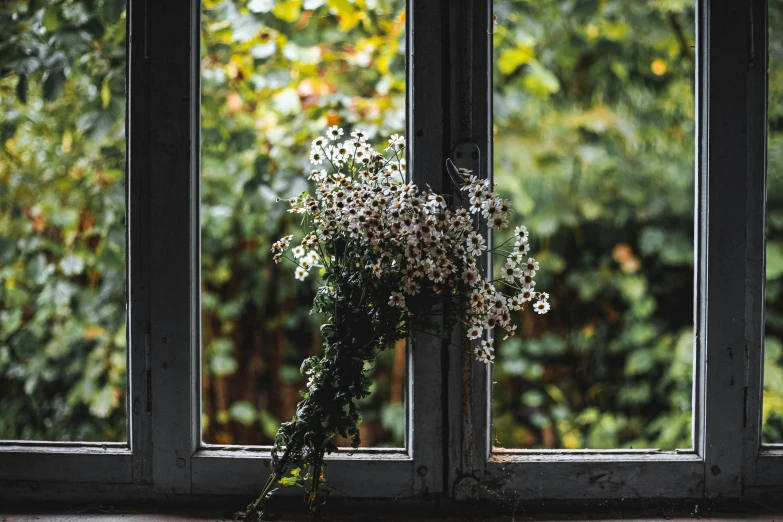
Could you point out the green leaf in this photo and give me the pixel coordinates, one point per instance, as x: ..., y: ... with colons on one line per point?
x: 774, y: 260
x: 54, y: 82
x: 640, y: 362
x: 243, y: 412
x: 540, y: 81
x: 269, y: 424
x: 511, y: 59
x: 50, y: 18
x: 287, y: 10
x: 112, y: 10
x: 72, y: 265
x: 104, y: 402
x: 21, y: 89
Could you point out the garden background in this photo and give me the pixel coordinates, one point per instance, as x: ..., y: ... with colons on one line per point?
x: 594, y: 144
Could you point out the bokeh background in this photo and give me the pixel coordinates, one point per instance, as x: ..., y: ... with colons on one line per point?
x: 594, y: 143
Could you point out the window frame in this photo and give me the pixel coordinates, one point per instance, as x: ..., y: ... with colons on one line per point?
x: 448, y: 454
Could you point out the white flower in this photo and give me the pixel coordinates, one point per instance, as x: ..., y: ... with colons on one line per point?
x: 298, y: 251
x: 313, y: 257
x: 359, y: 135
x: 397, y: 299
x: 532, y: 265
x: 515, y: 302
x: 470, y: 276
x: 475, y: 244
x: 334, y: 132
x: 436, y: 201
x: 499, y: 222
x: 436, y: 274
x: 522, y: 248
x: 300, y: 273
x: 318, y: 175
x: 498, y: 302
x: 474, y: 332
x: 396, y: 142
x: 475, y: 206
x: 409, y: 286
x: 316, y: 158
x: 476, y: 298
x: 541, y: 307
x: 318, y: 143
x: 521, y: 234
x: 484, y: 353
x: 514, y: 258
x: 510, y: 272
x: 526, y: 295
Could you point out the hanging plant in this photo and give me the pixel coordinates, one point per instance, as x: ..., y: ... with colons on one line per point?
x: 392, y: 260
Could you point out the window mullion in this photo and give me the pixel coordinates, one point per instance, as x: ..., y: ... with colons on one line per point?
x: 171, y: 45
x: 137, y: 171
x: 723, y: 202
x: 425, y: 134
x: 470, y: 146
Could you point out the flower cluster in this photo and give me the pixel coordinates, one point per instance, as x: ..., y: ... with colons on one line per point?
x: 428, y: 244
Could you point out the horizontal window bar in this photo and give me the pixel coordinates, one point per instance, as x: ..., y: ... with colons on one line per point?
x: 66, y: 465
x: 35, y: 445
x: 369, y: 476
x: 564, y: 477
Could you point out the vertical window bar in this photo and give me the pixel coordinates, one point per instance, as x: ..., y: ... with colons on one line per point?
x: 426, y: 125
x: 724, y: 182
x: 756, y: 225
x: 173, y: 279
x: 470, y: 146
x: 137, y: 258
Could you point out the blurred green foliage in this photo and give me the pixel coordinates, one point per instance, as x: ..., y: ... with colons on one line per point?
x: 274, y: 76
x: 772, y: 411
x: 594, y: 143
x: 62, y: 220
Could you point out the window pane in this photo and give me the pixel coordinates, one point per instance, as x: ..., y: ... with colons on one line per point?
x: 62, y: 221
x: 772, y: 411
x: 275, y: 75
x: 594, y: 145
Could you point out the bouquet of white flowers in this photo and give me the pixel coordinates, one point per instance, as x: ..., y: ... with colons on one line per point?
x: 393, y: 259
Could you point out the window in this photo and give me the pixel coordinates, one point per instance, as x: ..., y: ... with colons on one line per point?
x: 447, y: 450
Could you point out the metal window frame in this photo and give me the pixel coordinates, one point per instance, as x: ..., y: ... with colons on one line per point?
x: 165, y: 454
x: 731, y: 141
x: 448, y: 454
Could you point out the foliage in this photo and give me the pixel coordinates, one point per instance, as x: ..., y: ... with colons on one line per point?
x: 594, y: 120
x: 594, y: 144
x: 62, y: 221
x: 772, y: 414
x: 275, y: 74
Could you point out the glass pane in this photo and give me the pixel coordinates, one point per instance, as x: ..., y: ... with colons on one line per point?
x: 594, y: 145
x: 772, y: 410
x: 275, y: 75
x: 62, y: 221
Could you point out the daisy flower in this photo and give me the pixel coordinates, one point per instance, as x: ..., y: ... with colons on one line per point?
x: 511, y: 272
x: 474, y: 332
x: 475, y: 244
x: 397, y: 299
x: 541, y: 307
